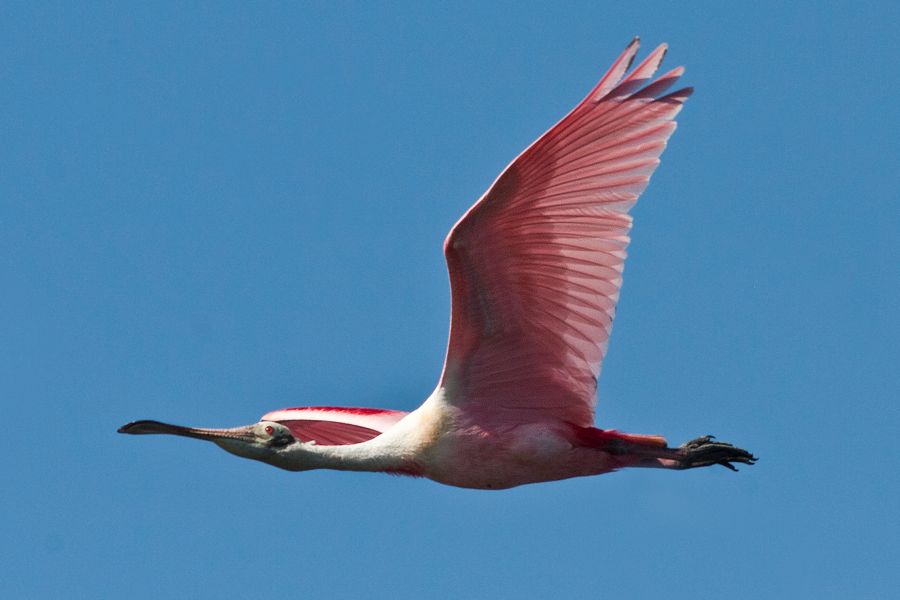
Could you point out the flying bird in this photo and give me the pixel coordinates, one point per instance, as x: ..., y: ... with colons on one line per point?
x: 535, y: 271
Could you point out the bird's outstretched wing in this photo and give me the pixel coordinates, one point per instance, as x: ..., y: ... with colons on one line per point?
x: 334, y: 425
x: 536, y: 264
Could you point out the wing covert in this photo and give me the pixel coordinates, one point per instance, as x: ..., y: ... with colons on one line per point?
x: 335, y: 425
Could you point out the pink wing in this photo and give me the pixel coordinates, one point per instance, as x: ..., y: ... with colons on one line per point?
x: 333, y: 425
x: 536, y: 264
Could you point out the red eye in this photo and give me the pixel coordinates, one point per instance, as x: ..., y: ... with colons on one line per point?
x: 270, y: 430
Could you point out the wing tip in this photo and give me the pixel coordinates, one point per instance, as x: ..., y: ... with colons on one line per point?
x: 632, y: 48
x: 659, y: 54
x: 616, y: 72
x: 625, y: 82
x: 682, y: 94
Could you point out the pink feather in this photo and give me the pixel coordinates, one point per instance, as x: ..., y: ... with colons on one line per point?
x: 536, y: 264
x: 335, y: 425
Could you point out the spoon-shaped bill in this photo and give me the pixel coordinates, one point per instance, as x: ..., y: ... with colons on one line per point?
x: 146, y: 427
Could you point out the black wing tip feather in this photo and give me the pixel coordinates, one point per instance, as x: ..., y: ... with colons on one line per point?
x: 681, y: 94
x: 635, y: 42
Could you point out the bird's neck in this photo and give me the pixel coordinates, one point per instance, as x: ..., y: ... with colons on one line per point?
x: 402, y: 449
x: 373, y: 455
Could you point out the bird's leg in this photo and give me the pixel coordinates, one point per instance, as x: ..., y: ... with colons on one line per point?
x: 653, y: 450
x: 700, y: 452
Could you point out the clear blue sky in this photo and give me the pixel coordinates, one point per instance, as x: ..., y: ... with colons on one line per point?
x: 211, y: 211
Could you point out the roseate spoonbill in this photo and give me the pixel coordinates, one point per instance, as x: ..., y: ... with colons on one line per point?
x: 535, y: 269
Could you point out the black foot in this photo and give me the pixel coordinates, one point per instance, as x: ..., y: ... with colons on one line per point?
x: 703, y: 452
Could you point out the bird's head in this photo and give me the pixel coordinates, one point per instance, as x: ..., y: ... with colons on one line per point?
x: 265, y: 441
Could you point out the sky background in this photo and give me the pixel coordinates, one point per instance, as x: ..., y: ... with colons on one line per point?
x: 214, y: 210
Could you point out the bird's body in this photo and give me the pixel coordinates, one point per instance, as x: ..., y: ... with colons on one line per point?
x: 535, y: 268
x: 445, y: 444
x: 442, y: 443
